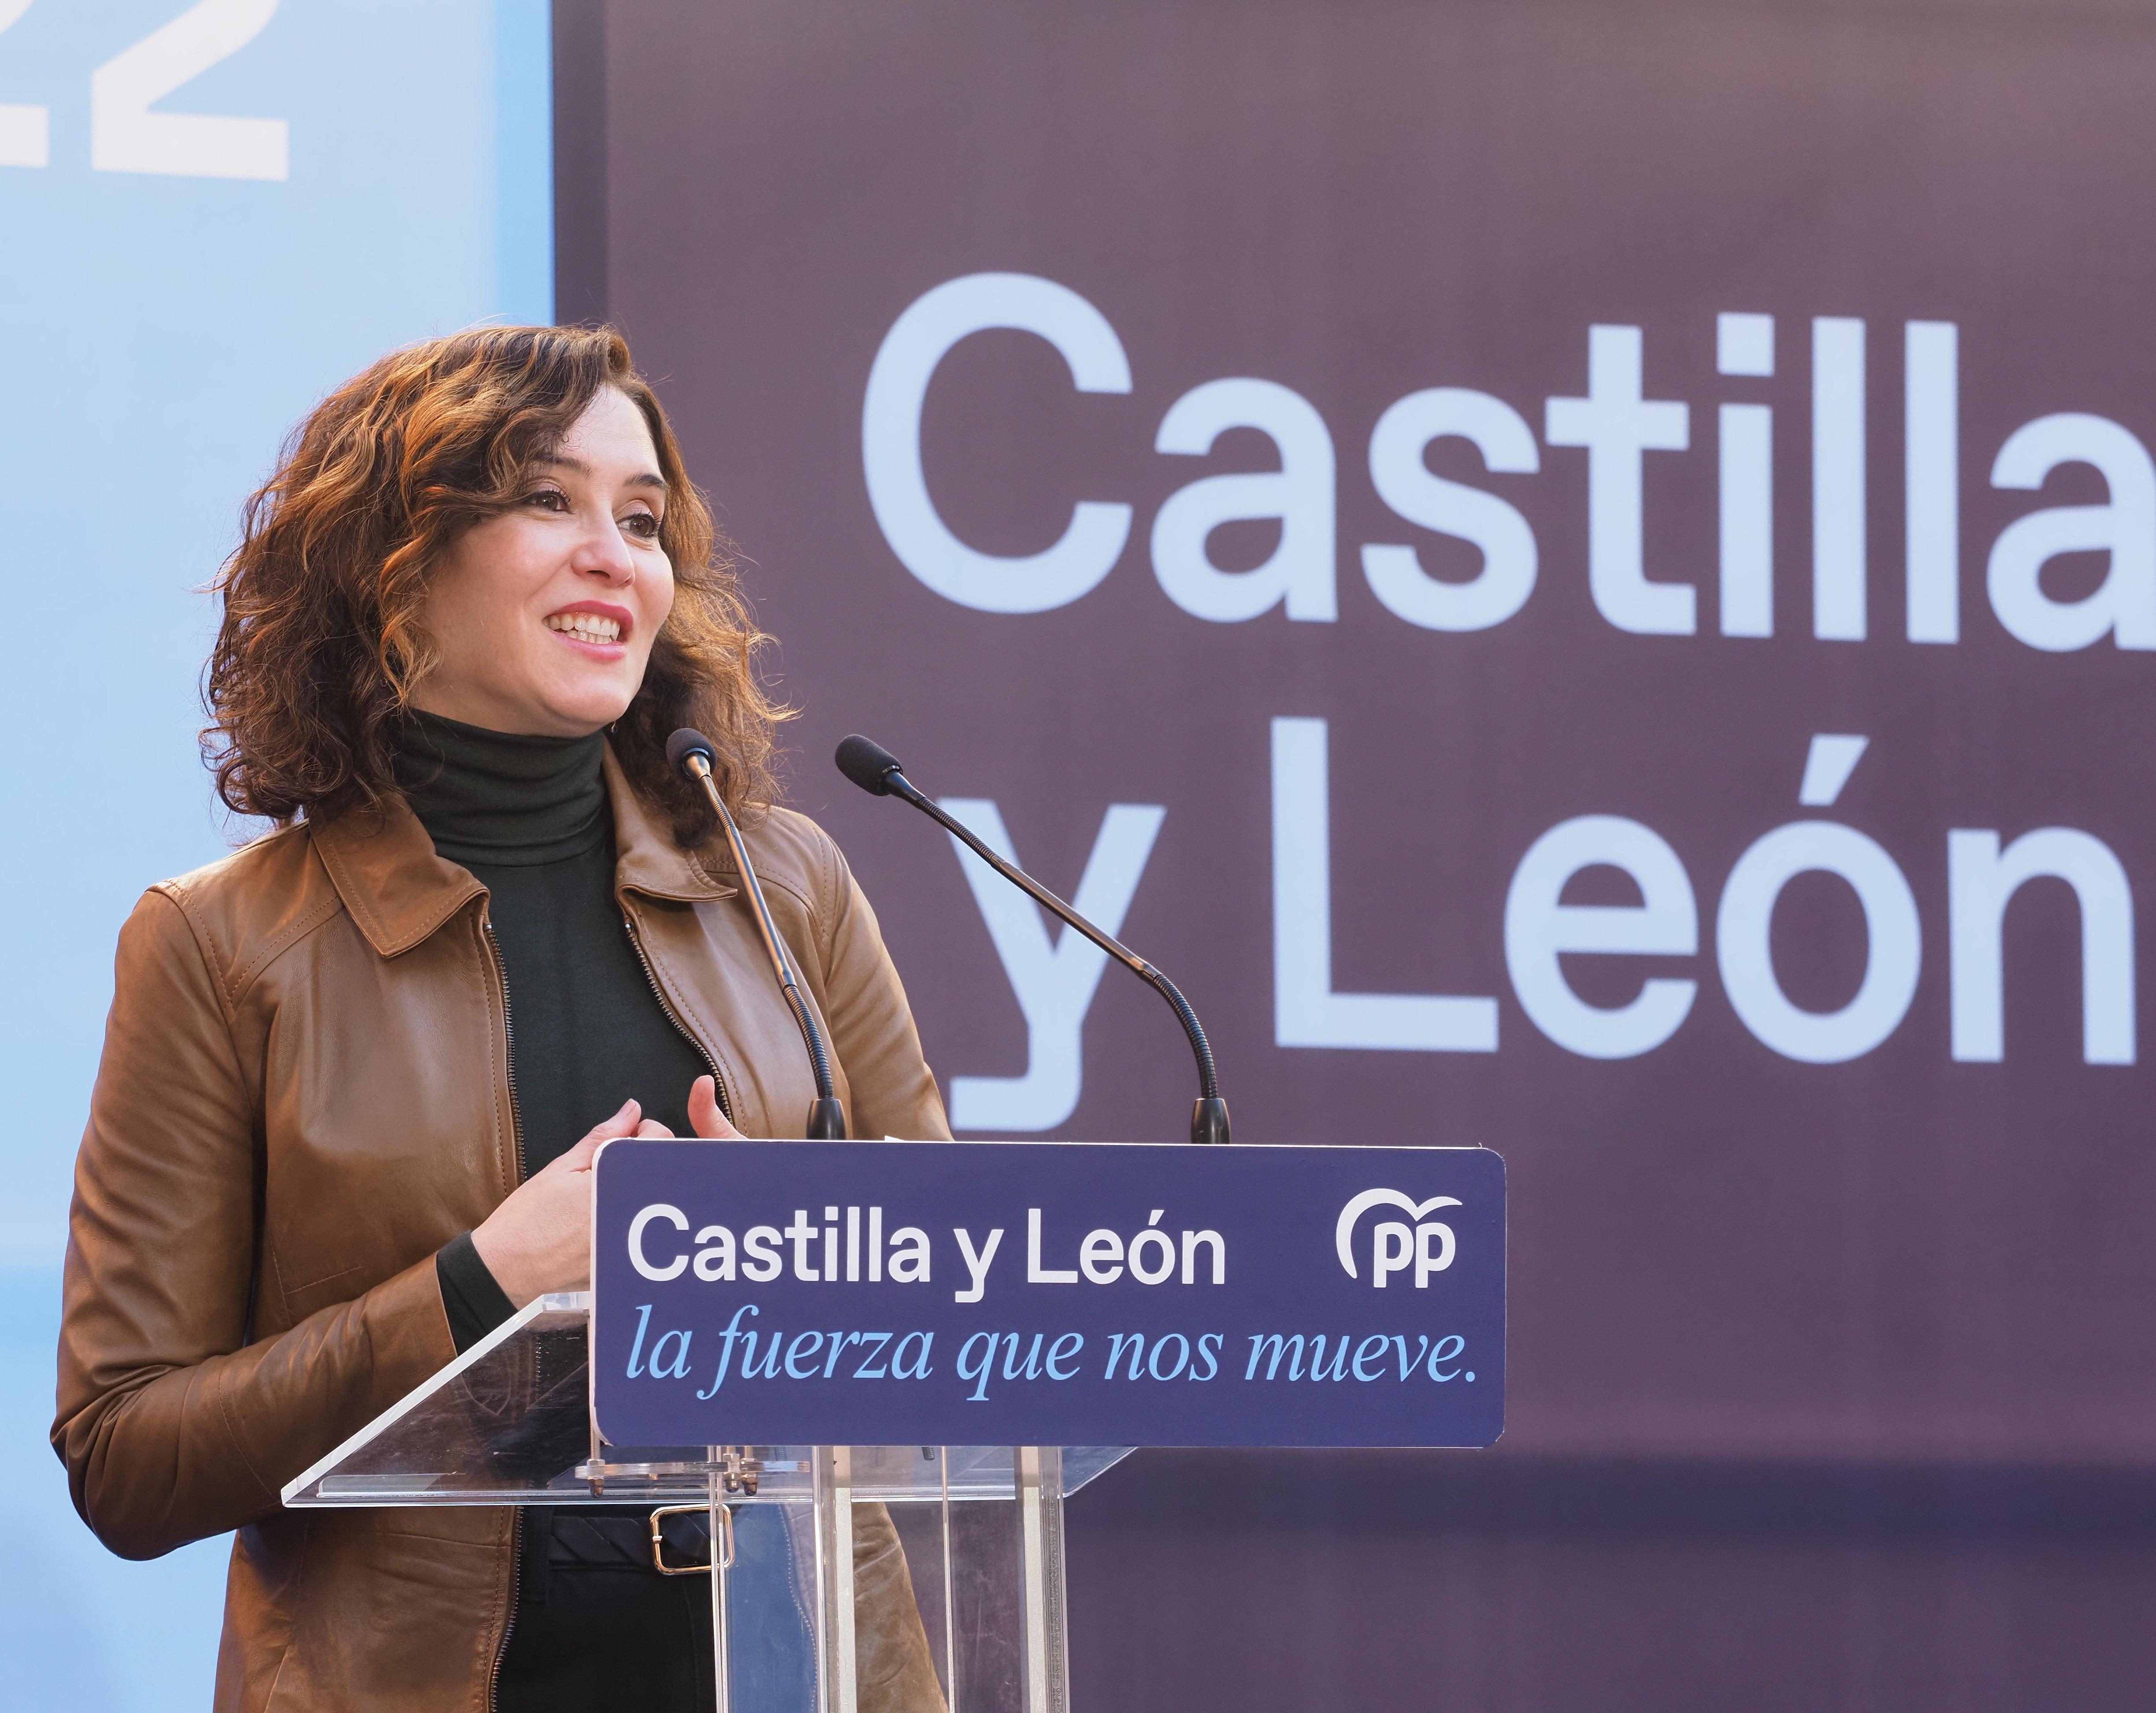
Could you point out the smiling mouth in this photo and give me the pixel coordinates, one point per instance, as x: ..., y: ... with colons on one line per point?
x: 586, y: 627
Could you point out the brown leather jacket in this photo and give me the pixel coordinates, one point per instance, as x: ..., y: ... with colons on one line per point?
x: 304, y: 1093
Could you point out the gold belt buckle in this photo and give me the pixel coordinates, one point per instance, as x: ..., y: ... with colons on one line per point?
x: 659, y: 1541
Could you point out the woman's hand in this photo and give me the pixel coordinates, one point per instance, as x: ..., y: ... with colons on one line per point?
x: 540, y: 1239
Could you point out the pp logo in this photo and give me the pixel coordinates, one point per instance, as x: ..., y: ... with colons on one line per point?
x: 1393, y: 1244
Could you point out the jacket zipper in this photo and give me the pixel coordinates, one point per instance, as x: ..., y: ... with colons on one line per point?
x: 718, y: 1082
x: 509, y: 1045
x: 516, y: 1127
x: 516, y: 1598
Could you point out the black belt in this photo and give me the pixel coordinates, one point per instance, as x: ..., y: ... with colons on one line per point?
x: 671, y: 1541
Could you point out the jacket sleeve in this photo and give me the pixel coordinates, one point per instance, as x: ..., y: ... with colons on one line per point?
x: 173, y: 1425
x: 872, y: 1033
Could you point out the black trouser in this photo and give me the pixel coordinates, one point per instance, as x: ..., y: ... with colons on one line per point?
x: 597, y: 1626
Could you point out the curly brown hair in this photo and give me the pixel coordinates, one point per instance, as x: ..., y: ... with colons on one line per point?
x: 321, y: 643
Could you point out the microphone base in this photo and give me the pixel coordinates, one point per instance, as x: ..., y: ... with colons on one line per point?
x: 827, y: 1122
x: 1208, y: 1121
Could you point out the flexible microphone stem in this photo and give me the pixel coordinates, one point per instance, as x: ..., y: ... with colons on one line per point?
x: 827, y: 1118
x: 1208, y: 1117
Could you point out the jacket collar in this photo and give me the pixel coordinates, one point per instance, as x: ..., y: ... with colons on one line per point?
x: 646, y: 858
x: 399, y: 891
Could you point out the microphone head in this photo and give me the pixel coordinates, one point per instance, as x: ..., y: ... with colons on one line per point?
x: 868, y: 764
x: 688, y: 742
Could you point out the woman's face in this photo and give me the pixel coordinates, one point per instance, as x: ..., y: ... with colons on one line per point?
x: 544, y: 616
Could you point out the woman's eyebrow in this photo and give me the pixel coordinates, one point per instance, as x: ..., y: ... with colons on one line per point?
x: 643, y: 479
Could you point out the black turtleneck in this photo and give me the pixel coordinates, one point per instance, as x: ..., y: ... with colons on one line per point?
x: 596, y: 1627
x: 501, y: 799
x: 529, y: 817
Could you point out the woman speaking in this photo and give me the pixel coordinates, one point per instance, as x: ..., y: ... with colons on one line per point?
x: 355, y: 1073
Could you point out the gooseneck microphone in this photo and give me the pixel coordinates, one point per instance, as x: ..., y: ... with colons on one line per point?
x: 692, y: 752
x: 877, y: 772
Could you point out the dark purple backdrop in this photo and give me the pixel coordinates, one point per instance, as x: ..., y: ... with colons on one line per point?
x: 1830, y: 1383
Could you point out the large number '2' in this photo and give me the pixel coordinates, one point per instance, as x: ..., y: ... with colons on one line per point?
x: 25, y: 132
x: 125, y: 137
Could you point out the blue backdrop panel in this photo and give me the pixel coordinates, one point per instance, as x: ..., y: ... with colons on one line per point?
x: 207, y: 228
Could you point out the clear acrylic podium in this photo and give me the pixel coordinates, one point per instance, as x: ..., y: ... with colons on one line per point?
x: 975, y: 1594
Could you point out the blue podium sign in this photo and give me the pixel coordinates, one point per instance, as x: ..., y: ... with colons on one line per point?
x: 1047, y: 1293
